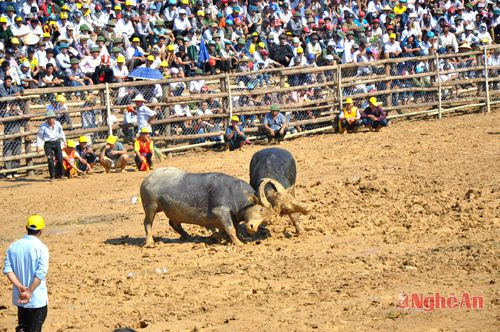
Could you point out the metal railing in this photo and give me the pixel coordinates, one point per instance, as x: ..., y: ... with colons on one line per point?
x: 194, y: 111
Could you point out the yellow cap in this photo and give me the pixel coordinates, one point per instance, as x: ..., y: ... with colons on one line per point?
x: 65, y: 7
x: 146, y: 130
x: 348, y: 101
x: 14, y: 40
x: 35, y: 222
x: 392, y: 36
x: 135, y: 39
x: 287, y: 85
x: 128, y: 3
x: 79, y: 5
x: 63, y: 15
x: 198, y: 13
x: 151, y: 58
x: 164, y: 63
x: 170, y: 47
x: 70, y: 143
x: 120, y: 59
x: 84, y: 139
x: 300, y: 49
x: 185, y: 2
x: 261, y: 44
x: 3, y: 19
x: 373, y: 101
x: 235, y: 118
x: 111, y: 139
x: 118, y: 7
x: 60, y: 98
x: 46, y: 35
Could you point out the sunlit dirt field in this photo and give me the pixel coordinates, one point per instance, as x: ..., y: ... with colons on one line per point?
x: 412, y: 209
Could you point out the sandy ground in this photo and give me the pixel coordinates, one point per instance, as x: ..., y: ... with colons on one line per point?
x: 414, y: 208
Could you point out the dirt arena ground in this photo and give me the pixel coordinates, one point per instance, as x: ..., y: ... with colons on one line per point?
x: 412, y: 209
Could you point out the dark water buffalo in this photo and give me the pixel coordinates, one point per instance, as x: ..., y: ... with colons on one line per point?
x: 205, y: 199
x: 272, y: 174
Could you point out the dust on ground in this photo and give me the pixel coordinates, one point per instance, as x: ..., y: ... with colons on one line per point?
x: 414, y: 208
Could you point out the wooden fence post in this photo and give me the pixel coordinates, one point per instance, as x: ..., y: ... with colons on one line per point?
x: 108, y: 109
x: 486, y: 83
x: 229, y: 98
x: 438, y: 78
x: 28, y: 142
x: 339, y: 85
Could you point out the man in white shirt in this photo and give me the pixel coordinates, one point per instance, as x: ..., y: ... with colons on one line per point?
x: 144, y: 114
x: 90, y: 62
x: 62, y: 58
x: 18, y: 28
x: 120, y: 71
x: 447, y: 38
x: 181, y: 23
x: 392, y: 49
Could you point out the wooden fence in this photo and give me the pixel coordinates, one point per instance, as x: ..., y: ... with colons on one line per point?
x: 310, y: 97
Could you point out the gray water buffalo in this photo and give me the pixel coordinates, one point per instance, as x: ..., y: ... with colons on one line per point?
x: 205, y: 199
x: 272, y: 174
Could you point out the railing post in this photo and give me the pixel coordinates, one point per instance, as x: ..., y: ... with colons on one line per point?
x: 438, y: 78
x: 27, y: 142
x: 339, y: 85
x: 488, y: 109
x: 108, y: 109
x: 229, y: 98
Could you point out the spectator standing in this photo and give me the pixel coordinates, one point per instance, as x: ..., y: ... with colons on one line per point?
x: 12, y: 146
x: 144, y: 114
x: 26, y: 266
x: 275, y: 124
x: 50, y: 136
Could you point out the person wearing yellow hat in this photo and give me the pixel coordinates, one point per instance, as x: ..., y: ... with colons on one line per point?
x: 135, y: 53
x: 84, y: 149
x: 349, y: 117
x: 374, y: 116
x: 70, y: 156
x: 26, y: 266
x: 113, y: 155
x: 120, y: 70
x: 57, y: 106
x: 235, y: 136
x: 392, y: 49
x: 144, y: 150
x: 299, y: 59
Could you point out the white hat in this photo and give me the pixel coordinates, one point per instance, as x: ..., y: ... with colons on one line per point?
x: 469, y: 27
x: 331, y: 43
x: 329, y: 57
x: 139, y: 97
x: 174, y: 70
x: 182, y: 11
x: 413, y: 15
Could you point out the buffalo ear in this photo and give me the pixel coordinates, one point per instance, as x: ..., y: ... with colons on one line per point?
x: 254, y: 199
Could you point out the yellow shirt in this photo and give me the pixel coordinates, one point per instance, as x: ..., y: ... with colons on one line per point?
x: 399, y: 10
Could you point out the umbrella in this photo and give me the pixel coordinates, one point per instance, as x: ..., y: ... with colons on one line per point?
x: 145, y: 73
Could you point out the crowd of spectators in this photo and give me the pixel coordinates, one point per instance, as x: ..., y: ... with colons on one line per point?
x: 83, y: 42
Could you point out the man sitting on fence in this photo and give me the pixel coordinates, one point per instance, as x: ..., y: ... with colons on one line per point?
x: 374, y: 116
x: 235, y: 137
x: 70, y: 156
x: 144, y: 150
x: 113, y: 155
x: 349, y: 118
x: 85, y: 151
x: 275, y: 125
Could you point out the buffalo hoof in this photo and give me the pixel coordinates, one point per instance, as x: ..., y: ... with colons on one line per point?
x: 149, y: 244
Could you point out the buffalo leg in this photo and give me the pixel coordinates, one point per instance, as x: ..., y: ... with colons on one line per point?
x: 150, y: 212
x: 295, y: 218
x: 226, y: 222
x: 178, y: 228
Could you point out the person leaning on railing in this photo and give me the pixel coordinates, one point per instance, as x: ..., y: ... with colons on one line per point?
x: 50, y: 136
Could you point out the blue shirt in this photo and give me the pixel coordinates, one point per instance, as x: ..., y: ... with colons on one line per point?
x: 48, y: 134
x: 274, y: 123
x: 28, y: 258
